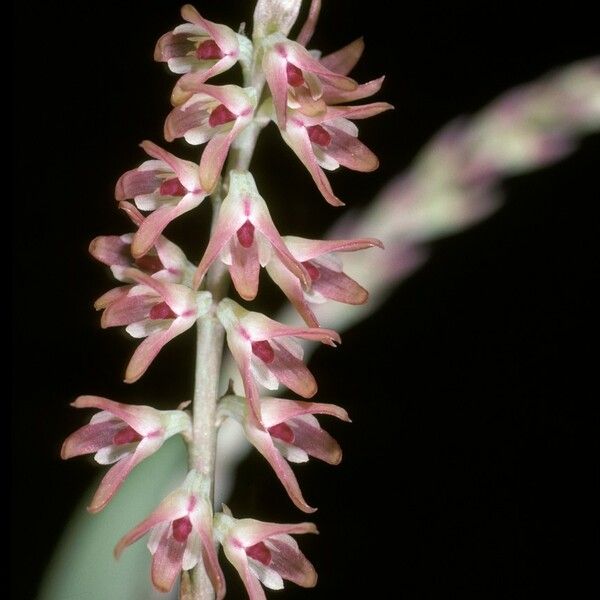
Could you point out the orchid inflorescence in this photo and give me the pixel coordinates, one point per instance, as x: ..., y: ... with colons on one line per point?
x: 163, y: 294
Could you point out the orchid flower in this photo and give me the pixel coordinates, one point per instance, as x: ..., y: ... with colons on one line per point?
x: 266, y: 353
x: 328, y: 280
x: 164, y: 261
x: 289, y: 67
x: 167, y: 186
x: 245, y: 238
x: 122, y: 435
x: 199, y: 46
x: 287, y: 430
x: 330, y: 139
x: 213, y: 114
x: 265, y: 553
x: 156, y: 310
x: 180, y: 536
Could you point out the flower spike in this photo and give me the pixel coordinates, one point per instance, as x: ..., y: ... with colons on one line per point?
x: 180, y: 536
x: 265, y: 553
x: 124, y: 435
x: 245, y: 238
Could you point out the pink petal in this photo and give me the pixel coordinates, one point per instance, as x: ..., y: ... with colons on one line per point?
x: 202, y: 522
x: 251, y: 531
x: 291, y: 564
x: 363, y: 111
x: 296, y: 137
x: 136, y: 183
x: 291, y: 287
x: 261, y: 327
x: 186, y: 171
x: 166, y: 562
x: 304, y: 249
x: 111, y: 250
x: 292, y: 373
x: 274, y: 66
x: 112, y: 296
x: 144, y: 419
x: 350, y: 152
x: 146, y: 352
x: 332, y: 95
x: 308, y: 28
x: 262, y: 441
x: 180, y: 121
x: 244, y: 269
x: 339, y: 287
x: 188, y: 84
x: 278, y: 410
x: 342, y: 61
x: 155, y: 223
x: 225, y: 37
x: 214, y: 155
x: 90, y: 438
x: 117, y: 474
x: 316, y: 442
x: 237, y: 557
x: 132, y: 212
x: 127, y: 310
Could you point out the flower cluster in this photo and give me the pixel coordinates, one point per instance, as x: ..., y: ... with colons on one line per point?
x: 162, y: 294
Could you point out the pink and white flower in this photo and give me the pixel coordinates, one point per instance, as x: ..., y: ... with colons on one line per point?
x: 245, y: 238
x: 155, y: 310
x: 293, y: 72
x: 215, y: 114
x: 181, y: 535
x: 265, y: 553
x: 288, y: 430
x: 167, y: 186
x: 328, y: 280
x: 267, y: 353
x: 121, y: 435
x: 330, y: 139
x: 199, y: 46
x: 164, y: 261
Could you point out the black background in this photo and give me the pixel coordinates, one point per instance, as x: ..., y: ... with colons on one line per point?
x: 469, y: 469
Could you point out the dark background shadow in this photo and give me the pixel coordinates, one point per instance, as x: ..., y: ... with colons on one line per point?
x: 468, y: 470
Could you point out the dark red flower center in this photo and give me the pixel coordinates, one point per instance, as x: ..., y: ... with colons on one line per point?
x: 209, y: 50
x: 220, y: 115
x: 245, y: 234
x: 264, y: 351
x: 127, y: 435
x: 313, y: 272
x: 319, y: 135
x: 182, y: 529
x: 149, y: 263
x: 172, y: 187
x: 161, y: 311
x: 294, y: 75
x: 259, y: 552
x: 282, y: 432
